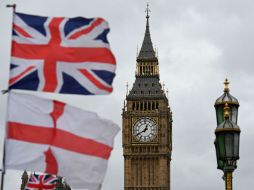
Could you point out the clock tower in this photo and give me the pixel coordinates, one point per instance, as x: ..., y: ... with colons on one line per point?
x: 147, y: 125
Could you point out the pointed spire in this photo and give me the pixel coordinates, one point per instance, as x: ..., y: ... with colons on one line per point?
x: 147, y: 11
x: 147, y: 51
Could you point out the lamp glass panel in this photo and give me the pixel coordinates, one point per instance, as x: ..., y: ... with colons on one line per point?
x: 220, y: 163
x: 234, y: 114
x: 236, y: 145
x: 221, y: 146
x: 219, y: 114
x: 229, y: 145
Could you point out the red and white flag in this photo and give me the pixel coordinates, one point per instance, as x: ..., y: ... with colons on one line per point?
x: 53, y: 137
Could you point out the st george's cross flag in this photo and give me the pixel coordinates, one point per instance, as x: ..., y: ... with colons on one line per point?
x: 55, y: 138
x: 41, y: 182
x: 61, y: 55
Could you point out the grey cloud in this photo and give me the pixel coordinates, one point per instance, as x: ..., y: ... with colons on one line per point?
x: 200, y: 43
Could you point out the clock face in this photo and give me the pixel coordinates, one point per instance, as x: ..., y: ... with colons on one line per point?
x: 145, y: 130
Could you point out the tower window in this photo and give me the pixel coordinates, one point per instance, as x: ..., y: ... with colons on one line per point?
x: 152, y: 105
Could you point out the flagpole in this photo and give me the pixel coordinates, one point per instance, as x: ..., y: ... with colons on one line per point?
x: 3, y: 169
x: 3, y: 157
x: 13, y: 6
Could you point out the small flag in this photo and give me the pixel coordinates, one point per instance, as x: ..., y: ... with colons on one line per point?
x: 61, y: 55
x: 41, y: 182
x: 55, y: 138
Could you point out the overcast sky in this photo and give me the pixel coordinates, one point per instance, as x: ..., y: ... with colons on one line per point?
x: 200, y: 43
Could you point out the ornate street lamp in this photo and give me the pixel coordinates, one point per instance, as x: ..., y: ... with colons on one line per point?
x: 233, y: 103
x: 227, y: 146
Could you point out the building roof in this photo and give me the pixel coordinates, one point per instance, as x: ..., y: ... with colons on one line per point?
x: 146, y: 88
x: 147, y: 52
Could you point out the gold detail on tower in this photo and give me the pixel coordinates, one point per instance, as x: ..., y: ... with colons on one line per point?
x: 147, y: 69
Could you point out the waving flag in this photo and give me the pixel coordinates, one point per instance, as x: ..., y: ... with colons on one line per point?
x: 41, y: 182
x: 53, y: 137
x: 61, y: 55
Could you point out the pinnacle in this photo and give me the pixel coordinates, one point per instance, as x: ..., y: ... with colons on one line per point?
x: 147, y: 52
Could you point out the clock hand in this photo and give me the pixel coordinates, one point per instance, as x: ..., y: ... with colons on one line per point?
x: 144, y: 130
x: 139, y: 133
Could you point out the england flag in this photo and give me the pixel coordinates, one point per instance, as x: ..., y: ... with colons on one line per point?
x: 55, y: 138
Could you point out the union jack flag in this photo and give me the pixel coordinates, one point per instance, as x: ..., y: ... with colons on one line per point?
x: 61, y: 55
x: 41, y: 182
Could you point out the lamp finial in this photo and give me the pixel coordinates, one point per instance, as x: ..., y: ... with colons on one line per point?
x: 226, y: 83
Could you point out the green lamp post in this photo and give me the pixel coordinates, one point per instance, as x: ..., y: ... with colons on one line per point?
x: 227, y: 135
x: 233, y: 103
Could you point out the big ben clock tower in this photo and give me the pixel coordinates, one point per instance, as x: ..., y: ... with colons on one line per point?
x: 147, y: 125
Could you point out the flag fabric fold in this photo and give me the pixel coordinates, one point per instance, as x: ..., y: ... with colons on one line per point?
x: 61, y: 55
x: 53, y: 137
